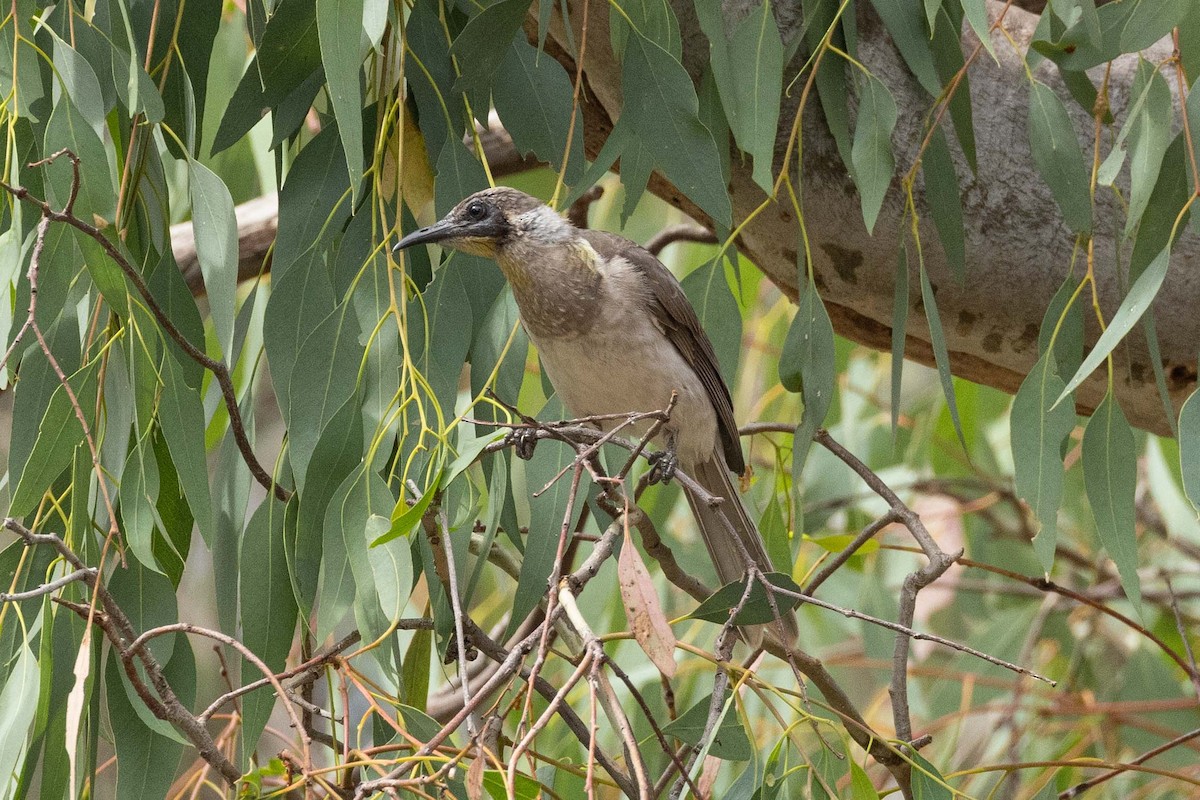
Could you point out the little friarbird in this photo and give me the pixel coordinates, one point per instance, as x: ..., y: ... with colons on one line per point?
x: 616, y: 334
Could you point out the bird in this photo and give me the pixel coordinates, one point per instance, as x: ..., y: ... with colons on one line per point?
x: 616, y: 334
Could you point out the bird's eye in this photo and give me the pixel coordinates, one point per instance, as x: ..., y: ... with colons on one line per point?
x: 476, y: 210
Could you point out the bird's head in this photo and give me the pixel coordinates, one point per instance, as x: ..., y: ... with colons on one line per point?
x: 487, y: 222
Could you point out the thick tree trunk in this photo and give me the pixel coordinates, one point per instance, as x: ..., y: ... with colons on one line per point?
x: 1018, y: 249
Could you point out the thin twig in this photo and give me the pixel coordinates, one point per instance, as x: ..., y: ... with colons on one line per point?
x: 52, y: 586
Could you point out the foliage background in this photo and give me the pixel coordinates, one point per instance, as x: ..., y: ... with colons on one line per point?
x: 356, y: 378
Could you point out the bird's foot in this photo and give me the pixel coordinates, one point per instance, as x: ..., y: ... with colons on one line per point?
x: 662, y: 466
x: 524, y: 441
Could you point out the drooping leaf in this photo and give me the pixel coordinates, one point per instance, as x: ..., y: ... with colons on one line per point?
x: 533, y: 96
x: 871, y: 153
x: 806, y: 365
x: 900, y: 303
x: 287, y: 57
x: 1039, y: 427
x: 547, y: 511
x: 138, y: 495
x: 1110, y: 478
x: 905, y: 21
x: 18, y: 702
x: 481, y: 46
x: 339, y: 32
x: 1058, y: 156
x: 941, y: 355
x: 709, y: 292
x: 267, y: 607
x: 757, y: 84
x: 1189, y: 449
x: 1148, y: 140
x: 214, y: 226
x: 1141, y: 294
x: 331, y: 356
x: 182, y: 416
x: 661, y: 104
x: 57, y: 437
x: 945, y: 205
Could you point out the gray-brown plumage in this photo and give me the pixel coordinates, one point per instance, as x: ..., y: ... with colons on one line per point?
x: 616, y: 334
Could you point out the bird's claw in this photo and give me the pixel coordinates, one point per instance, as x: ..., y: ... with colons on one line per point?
x: 524, y: 441
x: 662, y: 467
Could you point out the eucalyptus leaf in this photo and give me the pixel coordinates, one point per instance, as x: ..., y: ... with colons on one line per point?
x: 1058, y: 156
x: 1039, y: 426
x: 871, y: 153
x: 1110, y: 477
x: 340, y: 34
x: 1141, y: 294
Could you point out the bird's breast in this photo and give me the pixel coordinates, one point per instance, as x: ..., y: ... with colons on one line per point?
x: 623, y: 363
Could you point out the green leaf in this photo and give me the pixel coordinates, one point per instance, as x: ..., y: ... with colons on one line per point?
x: 533, y: 96
x: 430, y: 74
x: 338, y: 453
x: 214, y: 225
x: 905, y: 22
x: 899, y: 331
x: 653, y: 19
x: 1141, y: 294
x: 361, y: 498
x: 57, y: 437
x: 1151, y: 134
x: 1189, y: 448
x: 1124, y: 27
x: 871, y: 153
x: 481, y: 47
x: 861, y: 787
x: 945, y: 206
x: 18, y: 702
x: 405, y: 517
x: 757, y: 610
x: 340, y: 33
x: 268, y: 609
x: 546, y: 512
x: 941, y: 355
x: 661, y: 104
x: 138, y: 495
x: 181, y: 416
x: 710, y: 294
x: 1110, y: 478
x: 757, y: 84
x: 331, y: 356
x: 976, y: 14
x: 97, y: 200
x: 1058, y: 157
x: 414, y: 672
x: 730, y: 742
x: 927, y: 782
x: 287, y: 57
x: 1038, y: 428
x: 149, y: 600
x: 807, y: 365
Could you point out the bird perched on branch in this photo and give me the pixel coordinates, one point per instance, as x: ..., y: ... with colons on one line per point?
x: 616, y: 334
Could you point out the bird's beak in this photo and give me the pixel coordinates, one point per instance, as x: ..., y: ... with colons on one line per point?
x: 437, y: 232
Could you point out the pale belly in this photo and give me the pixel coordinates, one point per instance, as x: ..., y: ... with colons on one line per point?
x: 631, y: 370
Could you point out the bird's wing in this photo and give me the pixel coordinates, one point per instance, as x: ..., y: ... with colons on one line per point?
x: 675, y: 315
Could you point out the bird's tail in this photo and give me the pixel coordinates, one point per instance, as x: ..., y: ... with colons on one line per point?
x: 726, y: 555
